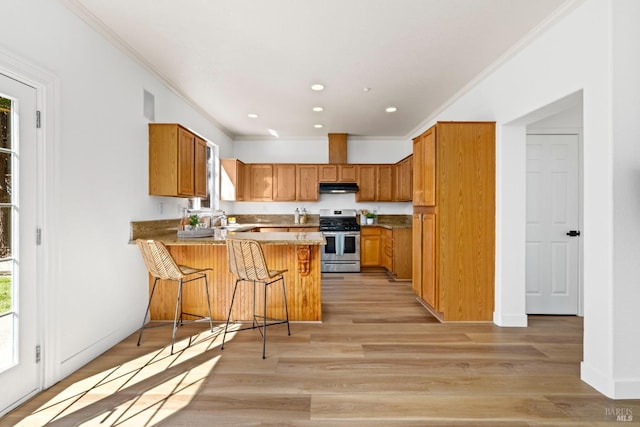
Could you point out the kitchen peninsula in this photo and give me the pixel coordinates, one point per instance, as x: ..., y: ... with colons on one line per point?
x: 297, y: 251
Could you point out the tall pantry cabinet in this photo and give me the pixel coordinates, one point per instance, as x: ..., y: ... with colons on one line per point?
x: 454, y: 220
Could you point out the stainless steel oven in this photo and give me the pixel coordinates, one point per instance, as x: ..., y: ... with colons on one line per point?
x: 342, y: 232
x: 342, y: 252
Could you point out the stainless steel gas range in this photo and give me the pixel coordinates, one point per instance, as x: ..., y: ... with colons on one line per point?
x: 342, y: 232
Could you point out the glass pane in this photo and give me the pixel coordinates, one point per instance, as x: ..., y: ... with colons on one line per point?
x: 7, y: 315
x: 5, y: 123
x: 5, y: 177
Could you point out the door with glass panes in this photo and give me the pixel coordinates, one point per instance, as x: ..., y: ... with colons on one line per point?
x: 19, y: 332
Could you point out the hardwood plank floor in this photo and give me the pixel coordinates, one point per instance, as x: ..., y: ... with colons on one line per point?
x: 378, y: 359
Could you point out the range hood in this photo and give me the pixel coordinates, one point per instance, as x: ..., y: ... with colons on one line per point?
x: 338, y: 187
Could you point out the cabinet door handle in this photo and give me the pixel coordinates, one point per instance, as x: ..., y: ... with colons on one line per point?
x: 573, y: 233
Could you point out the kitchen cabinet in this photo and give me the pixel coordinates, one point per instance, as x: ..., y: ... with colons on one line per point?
x: 347, y: 173
x: 337, y: 173
x: 424, y: 258
x: 306, y: 182
x: 177, y: 161
x: 284, y: 182
x: 404, y: 177
x: 299, y: 182
x: 396, y: 252
x: 261, y: 178
x: 370, y: 247
x: 385, y: 183
x: 424, y: 169
x: 386, y: 249
x: 454, y: 233
x: 367, y: 183
x: 233, y: 180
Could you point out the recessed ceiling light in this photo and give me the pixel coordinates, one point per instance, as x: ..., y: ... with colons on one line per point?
x: 318, y: 109
x: 317, y: 87
x: 252, y: 115
x: 318, y: 126
x: 391, y: 109
x: 366, y: 89
x: 273, y: 133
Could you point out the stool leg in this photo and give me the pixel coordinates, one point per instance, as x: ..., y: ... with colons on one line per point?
x: 206, y: 287
x: 146, y: 313
x: 226, y: 325
x: 175, y: 318
x: 264, y: 322
x: 286, y: 305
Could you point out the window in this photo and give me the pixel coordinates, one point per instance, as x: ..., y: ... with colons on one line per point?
x: 212, y: 201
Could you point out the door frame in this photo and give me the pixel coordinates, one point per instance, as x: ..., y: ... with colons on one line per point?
x: 47, y: 87
x: 578, y: 132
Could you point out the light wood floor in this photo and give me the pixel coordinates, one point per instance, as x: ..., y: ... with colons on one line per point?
x: 378, y: 359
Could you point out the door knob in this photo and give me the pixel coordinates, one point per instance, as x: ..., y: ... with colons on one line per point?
x: 573, y: 233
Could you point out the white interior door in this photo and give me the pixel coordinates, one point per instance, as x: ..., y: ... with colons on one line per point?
x: 553, y: 203
x: 19, y: 370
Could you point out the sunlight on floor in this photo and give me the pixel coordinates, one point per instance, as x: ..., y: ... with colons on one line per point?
x: 148, y: 389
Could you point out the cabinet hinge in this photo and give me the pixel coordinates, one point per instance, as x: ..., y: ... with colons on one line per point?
x: 38, y: 236
x: 38, y: 354
x: 38, y: 125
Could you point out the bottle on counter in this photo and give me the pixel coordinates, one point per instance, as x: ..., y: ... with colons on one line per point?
x: 296, y: 216
x: 303, y: 216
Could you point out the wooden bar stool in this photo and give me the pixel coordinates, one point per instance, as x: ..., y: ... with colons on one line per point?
x: 247, y: 263
x: 161, y: 265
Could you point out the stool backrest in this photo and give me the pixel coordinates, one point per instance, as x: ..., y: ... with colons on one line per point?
x: 246, y: 259
x: 158, y: 260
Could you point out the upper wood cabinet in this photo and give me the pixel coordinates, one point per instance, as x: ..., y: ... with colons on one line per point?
x: 404, y: 179
x: 284, y: 182
x: 337, y: 173
x: 424, y: 169
x: 261, y: 179
x: 367, y: 183
x: 177, y: 161
x: 307, y: 182
x: 233, y: 180
x: 328, y: 173
x: 289, y: 182
x: 386, y: 183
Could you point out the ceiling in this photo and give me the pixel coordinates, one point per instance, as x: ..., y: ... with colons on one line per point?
x: 230, y: 58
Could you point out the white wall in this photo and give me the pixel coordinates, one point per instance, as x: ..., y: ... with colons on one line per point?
x: 97, y: 280
x: 626, y: 197
x: 359, y: 150
x: 575, y: 54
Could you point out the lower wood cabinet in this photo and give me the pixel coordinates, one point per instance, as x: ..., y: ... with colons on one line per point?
x: 388, y: 248
x: 370, y: 247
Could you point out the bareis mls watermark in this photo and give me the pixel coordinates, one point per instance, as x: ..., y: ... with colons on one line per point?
x: 620, y: 414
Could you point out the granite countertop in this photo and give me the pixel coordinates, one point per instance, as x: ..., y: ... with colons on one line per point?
x: 391, y: 222
x: 166, y: 230
x: 389, y: 226
x: 269, y: 238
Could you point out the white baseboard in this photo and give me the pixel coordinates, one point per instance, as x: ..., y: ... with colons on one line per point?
x: 613, y: 389
x: 510, y: 320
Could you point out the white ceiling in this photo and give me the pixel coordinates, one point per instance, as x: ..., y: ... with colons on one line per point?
x: 235, y: 57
